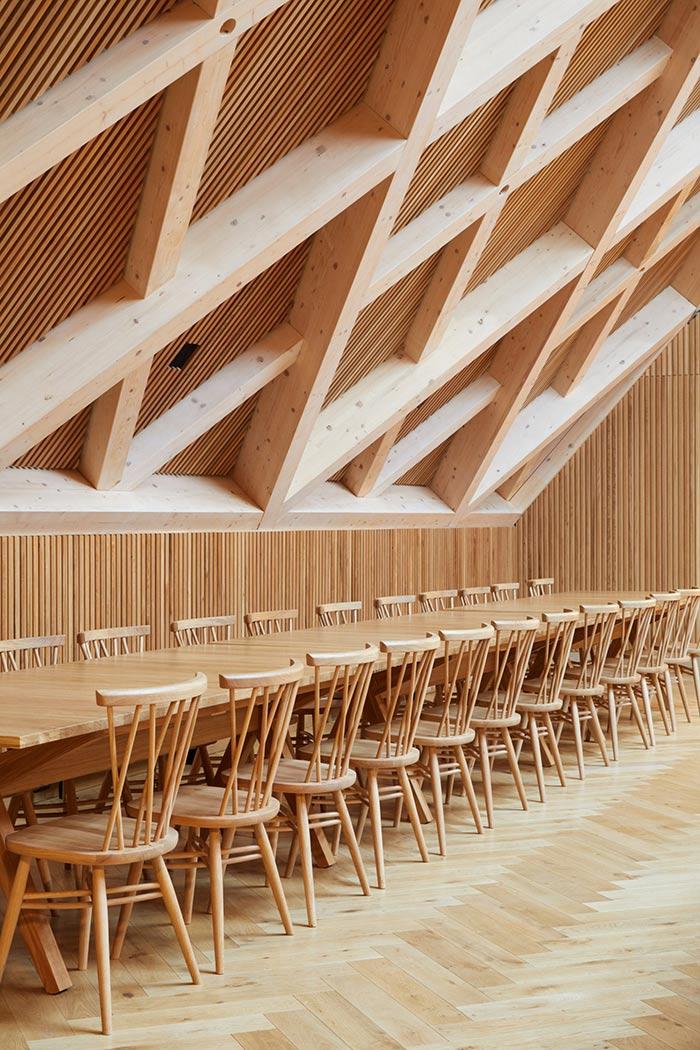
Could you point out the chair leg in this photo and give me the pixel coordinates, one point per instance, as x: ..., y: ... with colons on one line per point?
x: 12, y: 910
x: 216, y: 884
x: 598, y: 732
x: 436, y: 785
x: 104, y: 979
x: 637, y: 715
x: 31, y: 818
x: 695, y: 664
x: 125, y: 911
x: 681, y: 690
x: 537, y: 755
x: 514, y: 768
x: 375, y: 816
x: 670, y: 701
x: 307, y: 863
x: 486, y: 776
x: 413, y: 813
x: 578, y: 740
x: 554, y: 749
x: 661, y: 704
x: 646, y: 701
x: 273, y: 876
x: 469, y: 788
x: 292, y: 856
x: 612, y: 718
x: 349, y: 833
x: 85, y: 924
x: 175, y: 915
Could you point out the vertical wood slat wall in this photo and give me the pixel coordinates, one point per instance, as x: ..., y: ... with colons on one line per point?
x: 625, y: 511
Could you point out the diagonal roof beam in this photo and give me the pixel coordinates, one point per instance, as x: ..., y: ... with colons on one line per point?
x: 185, y: 128
x: 616, y: 173
x: 116, y: 82
x: 419, y: 53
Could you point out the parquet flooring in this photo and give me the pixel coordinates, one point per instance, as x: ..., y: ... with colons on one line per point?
x: 572, y: 926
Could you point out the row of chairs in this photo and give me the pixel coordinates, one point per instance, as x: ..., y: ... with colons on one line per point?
x: 355, y: 742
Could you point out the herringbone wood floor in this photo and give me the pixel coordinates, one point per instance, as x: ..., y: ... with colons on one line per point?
x: 572, y: 926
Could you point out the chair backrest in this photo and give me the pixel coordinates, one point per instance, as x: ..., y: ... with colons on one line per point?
x: 436, y: 601
x: 504, y: 592
x: 537, y: 587
x: 474, y: 595
x: 17, y: 654
x: 201, y: 630
x: 409, y: 665
x: 552, y: 656
x: 167, y: 714
x: 464, y: 659
x: 631, y: 632
x: 686, y: 622
x: 333, y: 614
x: 338, y: 703
x: 661, y: 631
x: 270, y: 622
x: 113, y: 641
x: 263, y: 703
x: 590, y: 648
x: 394, y: 605
x: 512, y: 649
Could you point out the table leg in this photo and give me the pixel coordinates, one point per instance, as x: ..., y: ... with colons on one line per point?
x: 34, y: 926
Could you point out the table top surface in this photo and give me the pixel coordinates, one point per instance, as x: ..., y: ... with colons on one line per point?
x: 53, y: 703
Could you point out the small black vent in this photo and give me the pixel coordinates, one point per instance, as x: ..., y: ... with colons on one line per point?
x: 183, y: 355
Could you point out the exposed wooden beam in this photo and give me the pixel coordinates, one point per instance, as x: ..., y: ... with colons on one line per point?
x: 209, y: 403
x: 524, y: 486
x: 113, y: 420
x: 622, y: 161
x: 361, y: 475
x: 98, y: 346
x: 419, y: 53
x: 431, y: 433
x: 687, y: 279
x: 549, y: 414
x: 114, y: 83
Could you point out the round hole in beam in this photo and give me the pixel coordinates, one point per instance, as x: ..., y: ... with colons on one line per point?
x: 228, y: 26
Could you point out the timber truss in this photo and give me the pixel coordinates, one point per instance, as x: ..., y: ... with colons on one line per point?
x: 488, y: 246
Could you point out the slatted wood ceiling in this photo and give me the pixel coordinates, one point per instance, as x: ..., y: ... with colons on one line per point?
x: 292, y: 74
x: 42, y: 42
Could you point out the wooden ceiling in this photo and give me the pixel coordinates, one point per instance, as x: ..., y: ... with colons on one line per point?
x: 416, y: 252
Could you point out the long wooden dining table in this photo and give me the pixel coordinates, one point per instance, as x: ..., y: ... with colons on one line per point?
x: 51, y: 728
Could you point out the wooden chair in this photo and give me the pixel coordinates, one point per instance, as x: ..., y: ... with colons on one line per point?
x: 653, y: 668
x: 678, y: 656
x: 161, y: 723
x: 260, y: 710
x: 272, y: 622
x: 321, y: 773
x: 504, y: 592
x: 541, y: 696
x: 474, y: 595
x: 444, y: 729
x: 113, y: 641
x: 203, y: 630
x: 582, y: 683
x: 496, y: 712
x: 333, y: 614
x: 621, y: 670
x: 437, y: 601
x: 384, y: 754
x: 394, y: 605
x: 18, y: 654
x: 538, y: 587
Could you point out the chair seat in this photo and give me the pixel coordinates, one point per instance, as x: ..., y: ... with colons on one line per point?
x: 198, y: 805
x: 78, y: 839
x: 532, y: 707
x: 427, y: 734
x: 569, y: 688
x: 481, y: 719
x: 661, y: 669
x: 364, y: 755
x: 291, y: 775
